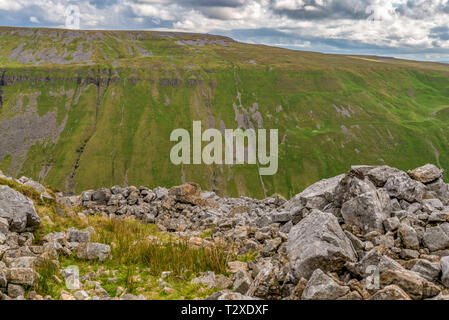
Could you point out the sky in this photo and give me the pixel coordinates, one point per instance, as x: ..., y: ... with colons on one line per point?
x: 409, y: 29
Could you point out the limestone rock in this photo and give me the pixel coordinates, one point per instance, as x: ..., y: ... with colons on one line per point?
x: 318, y: 242
x: 322, y: 287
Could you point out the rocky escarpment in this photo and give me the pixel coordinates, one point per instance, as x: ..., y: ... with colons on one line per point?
x: 373, y: 233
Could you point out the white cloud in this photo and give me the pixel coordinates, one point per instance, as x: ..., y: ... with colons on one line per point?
x: 399, y: 25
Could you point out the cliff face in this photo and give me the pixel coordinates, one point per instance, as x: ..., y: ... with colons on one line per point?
x: 80, y: 110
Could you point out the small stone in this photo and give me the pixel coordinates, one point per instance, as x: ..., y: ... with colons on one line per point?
x: 322, y: 287
x: 235, y: 266
x: 426, y: 173
x: 24, y: 276
x: 391, y: 224
x: 81, y: 295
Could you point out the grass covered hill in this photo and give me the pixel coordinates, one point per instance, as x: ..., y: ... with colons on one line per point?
x: 84, y: 109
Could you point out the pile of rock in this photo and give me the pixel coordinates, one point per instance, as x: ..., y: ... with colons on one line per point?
x: 328, y: 242
x: 19, y: 257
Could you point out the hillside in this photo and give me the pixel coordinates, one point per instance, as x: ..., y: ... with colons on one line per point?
x: 85, y: 109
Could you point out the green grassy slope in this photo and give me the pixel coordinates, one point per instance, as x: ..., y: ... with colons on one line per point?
x: 84, y: 109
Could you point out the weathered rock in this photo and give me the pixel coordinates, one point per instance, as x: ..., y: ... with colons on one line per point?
x: 187, y: 193
x: 426, y: 173
x: 391, y: 292
x: 322, y: 287
x: 316, y: 196
x: 402, y: 187
x: 318, y: 242
x: 430, y: 205
x: 373, y: 258
x: 411, y: 282
x: 207, y: 279
x: 15, y: 291
x: 24, y: 276
x: 428, y: 270
x: 444, y: 262
x: 363, y: 205
x: 391, y: 224
x: 242, y: 282
x: 408, y: 236
x: 75, y: 235
x: 18, y: 210
x: 235, y: 266
x: 283, y: 216
x: 3, y: 280
x: 440, y: 190
x: 270, y: 247
x: 93, y: 251
x: 435, y: 238
x: 266, y: 283
x: 380, y: 175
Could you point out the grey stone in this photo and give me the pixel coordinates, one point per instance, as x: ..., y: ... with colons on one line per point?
x: 409, y: 254
x: 283, y: 216
x: 391, y: 224
x: 207, y: 279
x: 242, y: 282
x: 322, y: 287
x: 24, y: 276
x: 430, y: 205
x: 75, y: 235
x: 428, y: 270
x: 270, y: 247
x: 15, y: 291
x: 380, y: 175
x: 316, y: 196
x: 318, y: 241
x: 18, y: 210
x: 444, y: 262
x: 435, y: 238
x: 426, y: 173
x: 408, y: 236
x: 440, y: 190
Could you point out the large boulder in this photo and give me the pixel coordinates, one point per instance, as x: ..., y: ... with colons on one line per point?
x: 318, y: 242
x: 18, y: 210
x: 426, y: 173
x: 368, y: 210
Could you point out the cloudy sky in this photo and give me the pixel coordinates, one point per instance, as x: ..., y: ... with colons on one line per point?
x: 412, y: 29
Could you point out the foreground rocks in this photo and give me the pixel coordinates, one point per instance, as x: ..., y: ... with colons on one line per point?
x: 375, y: 233
x: 20, y: 258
